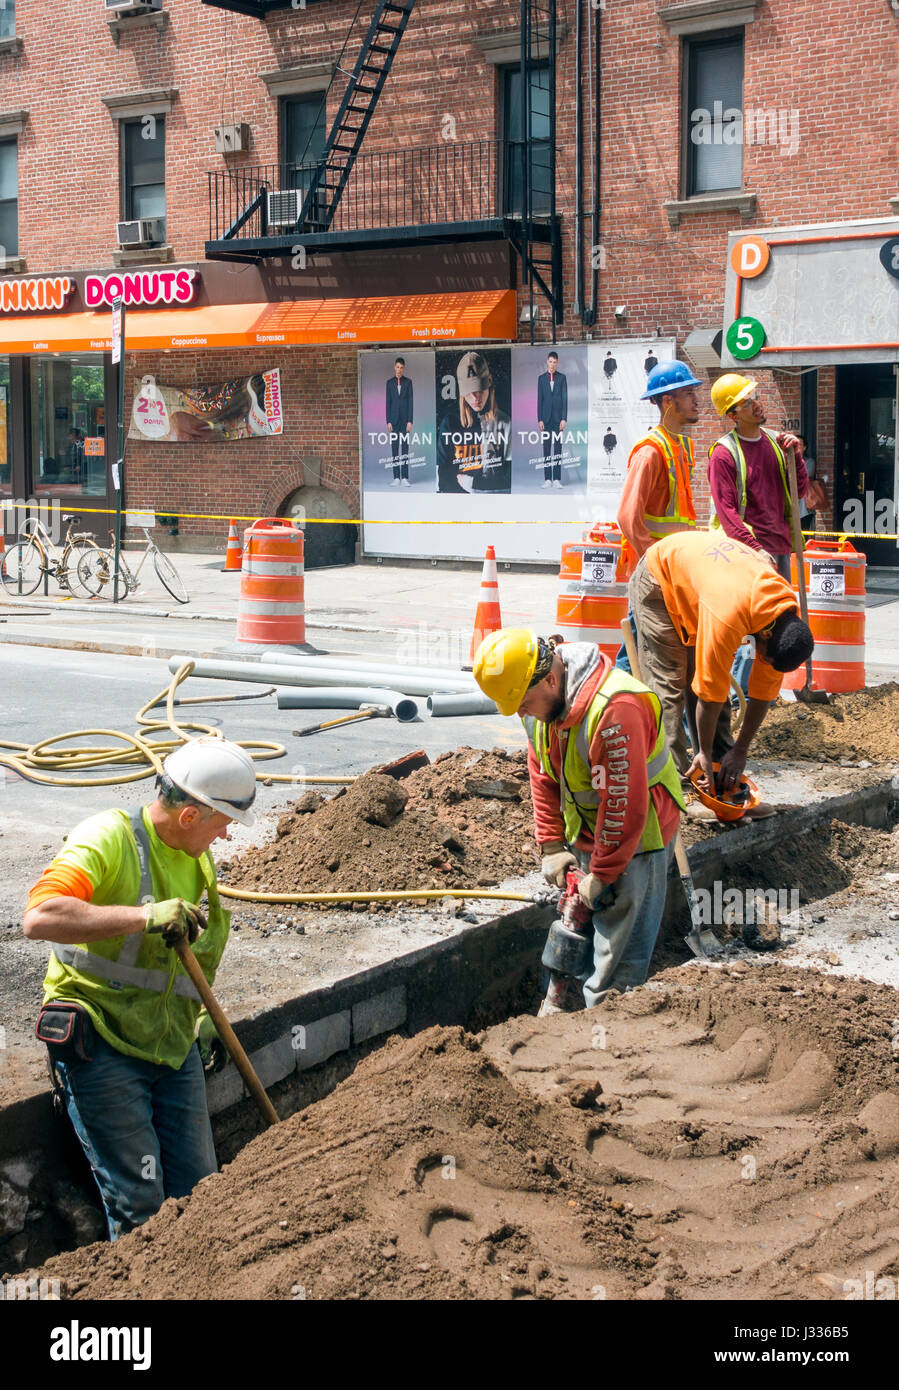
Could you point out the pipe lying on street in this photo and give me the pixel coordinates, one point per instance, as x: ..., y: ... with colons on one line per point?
x: 424, y: 679
x: 349, y: 697
x: 286, y: 673
x: 443, y: 705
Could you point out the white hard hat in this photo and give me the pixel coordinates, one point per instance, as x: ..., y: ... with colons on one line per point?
x: 217, y: 774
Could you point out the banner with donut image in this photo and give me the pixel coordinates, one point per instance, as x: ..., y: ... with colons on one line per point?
x: 243, y: 408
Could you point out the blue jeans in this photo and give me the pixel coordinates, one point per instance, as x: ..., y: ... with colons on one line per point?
x: 144, y: 1128
x: 624, y: 935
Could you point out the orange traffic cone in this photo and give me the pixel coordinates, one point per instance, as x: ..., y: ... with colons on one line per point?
x: 487, y: 619
x: 233, y: 555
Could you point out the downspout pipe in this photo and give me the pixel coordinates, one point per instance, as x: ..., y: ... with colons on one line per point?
x: 577, y: 307
x: 349, y: 697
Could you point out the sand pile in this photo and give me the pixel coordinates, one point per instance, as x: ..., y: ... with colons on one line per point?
x: 862, y: 726
x: 717, y: 1134
x: 464, y: 821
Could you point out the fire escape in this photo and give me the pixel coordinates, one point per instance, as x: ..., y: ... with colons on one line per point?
x: 449, y: 192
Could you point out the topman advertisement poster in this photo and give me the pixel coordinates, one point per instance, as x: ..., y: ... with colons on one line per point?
x: 536, y: 436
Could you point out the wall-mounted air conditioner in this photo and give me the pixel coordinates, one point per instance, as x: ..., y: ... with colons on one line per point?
x: 284, y: 206
x: 131, y: 6
x: 229, y: 138
x: 146, y: 231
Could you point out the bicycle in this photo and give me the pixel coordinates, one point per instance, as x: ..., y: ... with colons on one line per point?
x: 98, y: 570
x: 34, y: 557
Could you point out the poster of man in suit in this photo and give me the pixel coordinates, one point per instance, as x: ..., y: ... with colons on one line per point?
x: 549, y: 407
x: 399, y: 410
x: 552, y: 417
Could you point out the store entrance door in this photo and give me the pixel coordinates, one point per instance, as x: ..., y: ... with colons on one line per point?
x: 866, y: 454
x: 66, y: 432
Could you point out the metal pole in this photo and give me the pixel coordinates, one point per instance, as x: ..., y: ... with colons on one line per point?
x: 118, y: 468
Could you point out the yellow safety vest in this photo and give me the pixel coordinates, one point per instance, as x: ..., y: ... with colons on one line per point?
x: 731, y: 443
x: 579, y: 797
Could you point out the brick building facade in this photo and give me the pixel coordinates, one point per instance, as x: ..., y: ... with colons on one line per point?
x: 660, y: 249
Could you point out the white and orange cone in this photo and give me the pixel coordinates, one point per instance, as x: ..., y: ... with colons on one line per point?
x: 233, y: 555
x: 487, y: 619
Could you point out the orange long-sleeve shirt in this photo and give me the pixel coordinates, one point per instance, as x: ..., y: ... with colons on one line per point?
x: 718, y: 591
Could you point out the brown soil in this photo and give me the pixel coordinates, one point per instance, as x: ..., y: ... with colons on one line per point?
x: 718, y: 1134
x: 862, y: 726
x: 464, y: 821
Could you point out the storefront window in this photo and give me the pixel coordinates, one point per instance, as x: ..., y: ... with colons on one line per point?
x: 5, y: 430
x: 68, y: 426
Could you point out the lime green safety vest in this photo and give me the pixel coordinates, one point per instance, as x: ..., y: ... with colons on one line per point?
x: 138, y: 995
x: 731, y: 443
x: 579, y: 797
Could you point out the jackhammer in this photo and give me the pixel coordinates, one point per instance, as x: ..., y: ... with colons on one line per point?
x: 569, y: 949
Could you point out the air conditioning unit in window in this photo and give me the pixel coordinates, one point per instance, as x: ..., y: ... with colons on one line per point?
x: 284, y: 206
x: 147, y: 231
x: 132, y: 6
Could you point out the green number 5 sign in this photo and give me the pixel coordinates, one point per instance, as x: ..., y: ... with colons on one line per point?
x: 745, y: 338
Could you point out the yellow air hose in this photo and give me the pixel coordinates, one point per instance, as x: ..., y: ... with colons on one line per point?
x: 37, y: 763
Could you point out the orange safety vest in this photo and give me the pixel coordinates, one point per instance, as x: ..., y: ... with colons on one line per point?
x: 680, y: 514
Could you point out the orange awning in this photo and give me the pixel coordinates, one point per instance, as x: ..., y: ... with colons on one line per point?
x: 427, y: 318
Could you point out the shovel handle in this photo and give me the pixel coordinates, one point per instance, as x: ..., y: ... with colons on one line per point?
x: 226, y: 1032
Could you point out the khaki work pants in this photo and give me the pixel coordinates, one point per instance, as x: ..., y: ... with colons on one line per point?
x: 667, y: 666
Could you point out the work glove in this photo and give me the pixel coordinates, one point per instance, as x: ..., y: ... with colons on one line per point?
x: 175, y: 919
x: 594, y: 893
x: 557, y: 860
x: 212, y: 1049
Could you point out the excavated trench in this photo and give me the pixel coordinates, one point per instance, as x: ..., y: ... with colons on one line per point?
x: 728, y: 1132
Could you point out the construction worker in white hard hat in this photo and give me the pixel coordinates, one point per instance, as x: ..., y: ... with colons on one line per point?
x: 606, y: 793
x: 120, y: 1015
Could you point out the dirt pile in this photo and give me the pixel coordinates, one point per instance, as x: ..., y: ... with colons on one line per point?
x: 464, y: 821
x: 726, y: 1133
x: 860, y: 727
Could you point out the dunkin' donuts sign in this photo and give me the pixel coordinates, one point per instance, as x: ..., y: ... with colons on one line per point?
x: 38, y: 294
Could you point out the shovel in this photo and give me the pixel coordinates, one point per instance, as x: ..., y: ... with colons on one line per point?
x: 226, y: 1032
x: 806, y: 694
x: 702, y: 941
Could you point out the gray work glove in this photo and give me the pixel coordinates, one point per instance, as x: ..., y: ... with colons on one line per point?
x: 557, y: 860
x: 175, y: 919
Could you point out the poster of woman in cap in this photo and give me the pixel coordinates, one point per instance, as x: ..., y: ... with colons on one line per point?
x: 474, y: 433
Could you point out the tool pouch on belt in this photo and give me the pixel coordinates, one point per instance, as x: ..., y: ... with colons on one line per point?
x: 67, y: 1030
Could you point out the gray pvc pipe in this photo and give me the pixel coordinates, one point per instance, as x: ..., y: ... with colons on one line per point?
x: 417, y: 680
x: 460, y: 703
x: 272, y: 673
x: 348, y: 697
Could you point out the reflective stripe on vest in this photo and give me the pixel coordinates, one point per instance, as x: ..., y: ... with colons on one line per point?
x: 680, y: 513
x: 124, y: 971
x: 731, y: 443
x: 579, y: 802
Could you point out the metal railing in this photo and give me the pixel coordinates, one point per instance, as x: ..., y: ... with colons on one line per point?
x: 426, y: 185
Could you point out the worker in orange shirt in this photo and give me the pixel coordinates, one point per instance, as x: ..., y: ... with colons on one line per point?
x: 657, y: 499
x: 695, y: 595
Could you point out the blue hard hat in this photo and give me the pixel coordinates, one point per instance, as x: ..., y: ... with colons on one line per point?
x: 668, y: 376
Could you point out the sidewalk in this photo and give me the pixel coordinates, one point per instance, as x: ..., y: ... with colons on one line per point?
x: 421, y: 615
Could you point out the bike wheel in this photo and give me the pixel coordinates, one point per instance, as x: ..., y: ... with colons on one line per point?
x: 22, y: 568
x: 169, y: 577
x: 94, y: 570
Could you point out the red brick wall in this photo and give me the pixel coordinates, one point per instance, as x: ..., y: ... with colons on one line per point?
x: 835, y: 65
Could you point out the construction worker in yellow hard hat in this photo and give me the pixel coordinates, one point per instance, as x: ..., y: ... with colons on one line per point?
x: 605, y: 790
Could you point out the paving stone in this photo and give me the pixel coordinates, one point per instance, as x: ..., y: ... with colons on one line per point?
x: 379, y: 1014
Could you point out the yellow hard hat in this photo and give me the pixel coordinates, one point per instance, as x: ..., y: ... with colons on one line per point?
x: 504, y: 664
x: 730, y: 390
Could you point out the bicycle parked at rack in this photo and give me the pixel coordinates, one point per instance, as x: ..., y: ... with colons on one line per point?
x: 97, y: 570
x: 35, y: 557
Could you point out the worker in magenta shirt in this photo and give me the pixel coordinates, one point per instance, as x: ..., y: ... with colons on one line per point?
x: 748, y: 476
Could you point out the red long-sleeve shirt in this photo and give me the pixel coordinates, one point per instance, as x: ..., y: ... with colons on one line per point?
x: 623, y: 742
x: 765, y: 500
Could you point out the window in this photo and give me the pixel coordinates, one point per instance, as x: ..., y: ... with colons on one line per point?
x: 302, y: 135
x: 143, y: 170
x: 9, y: 198
x: 7, y: 19
x: 539, y: 147
x: 713, y: 125
x: 68, y: 425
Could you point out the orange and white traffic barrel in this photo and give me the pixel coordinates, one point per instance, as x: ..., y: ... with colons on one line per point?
x: 593, y: 589
x: 835, y: 584
x: 271, y: 608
